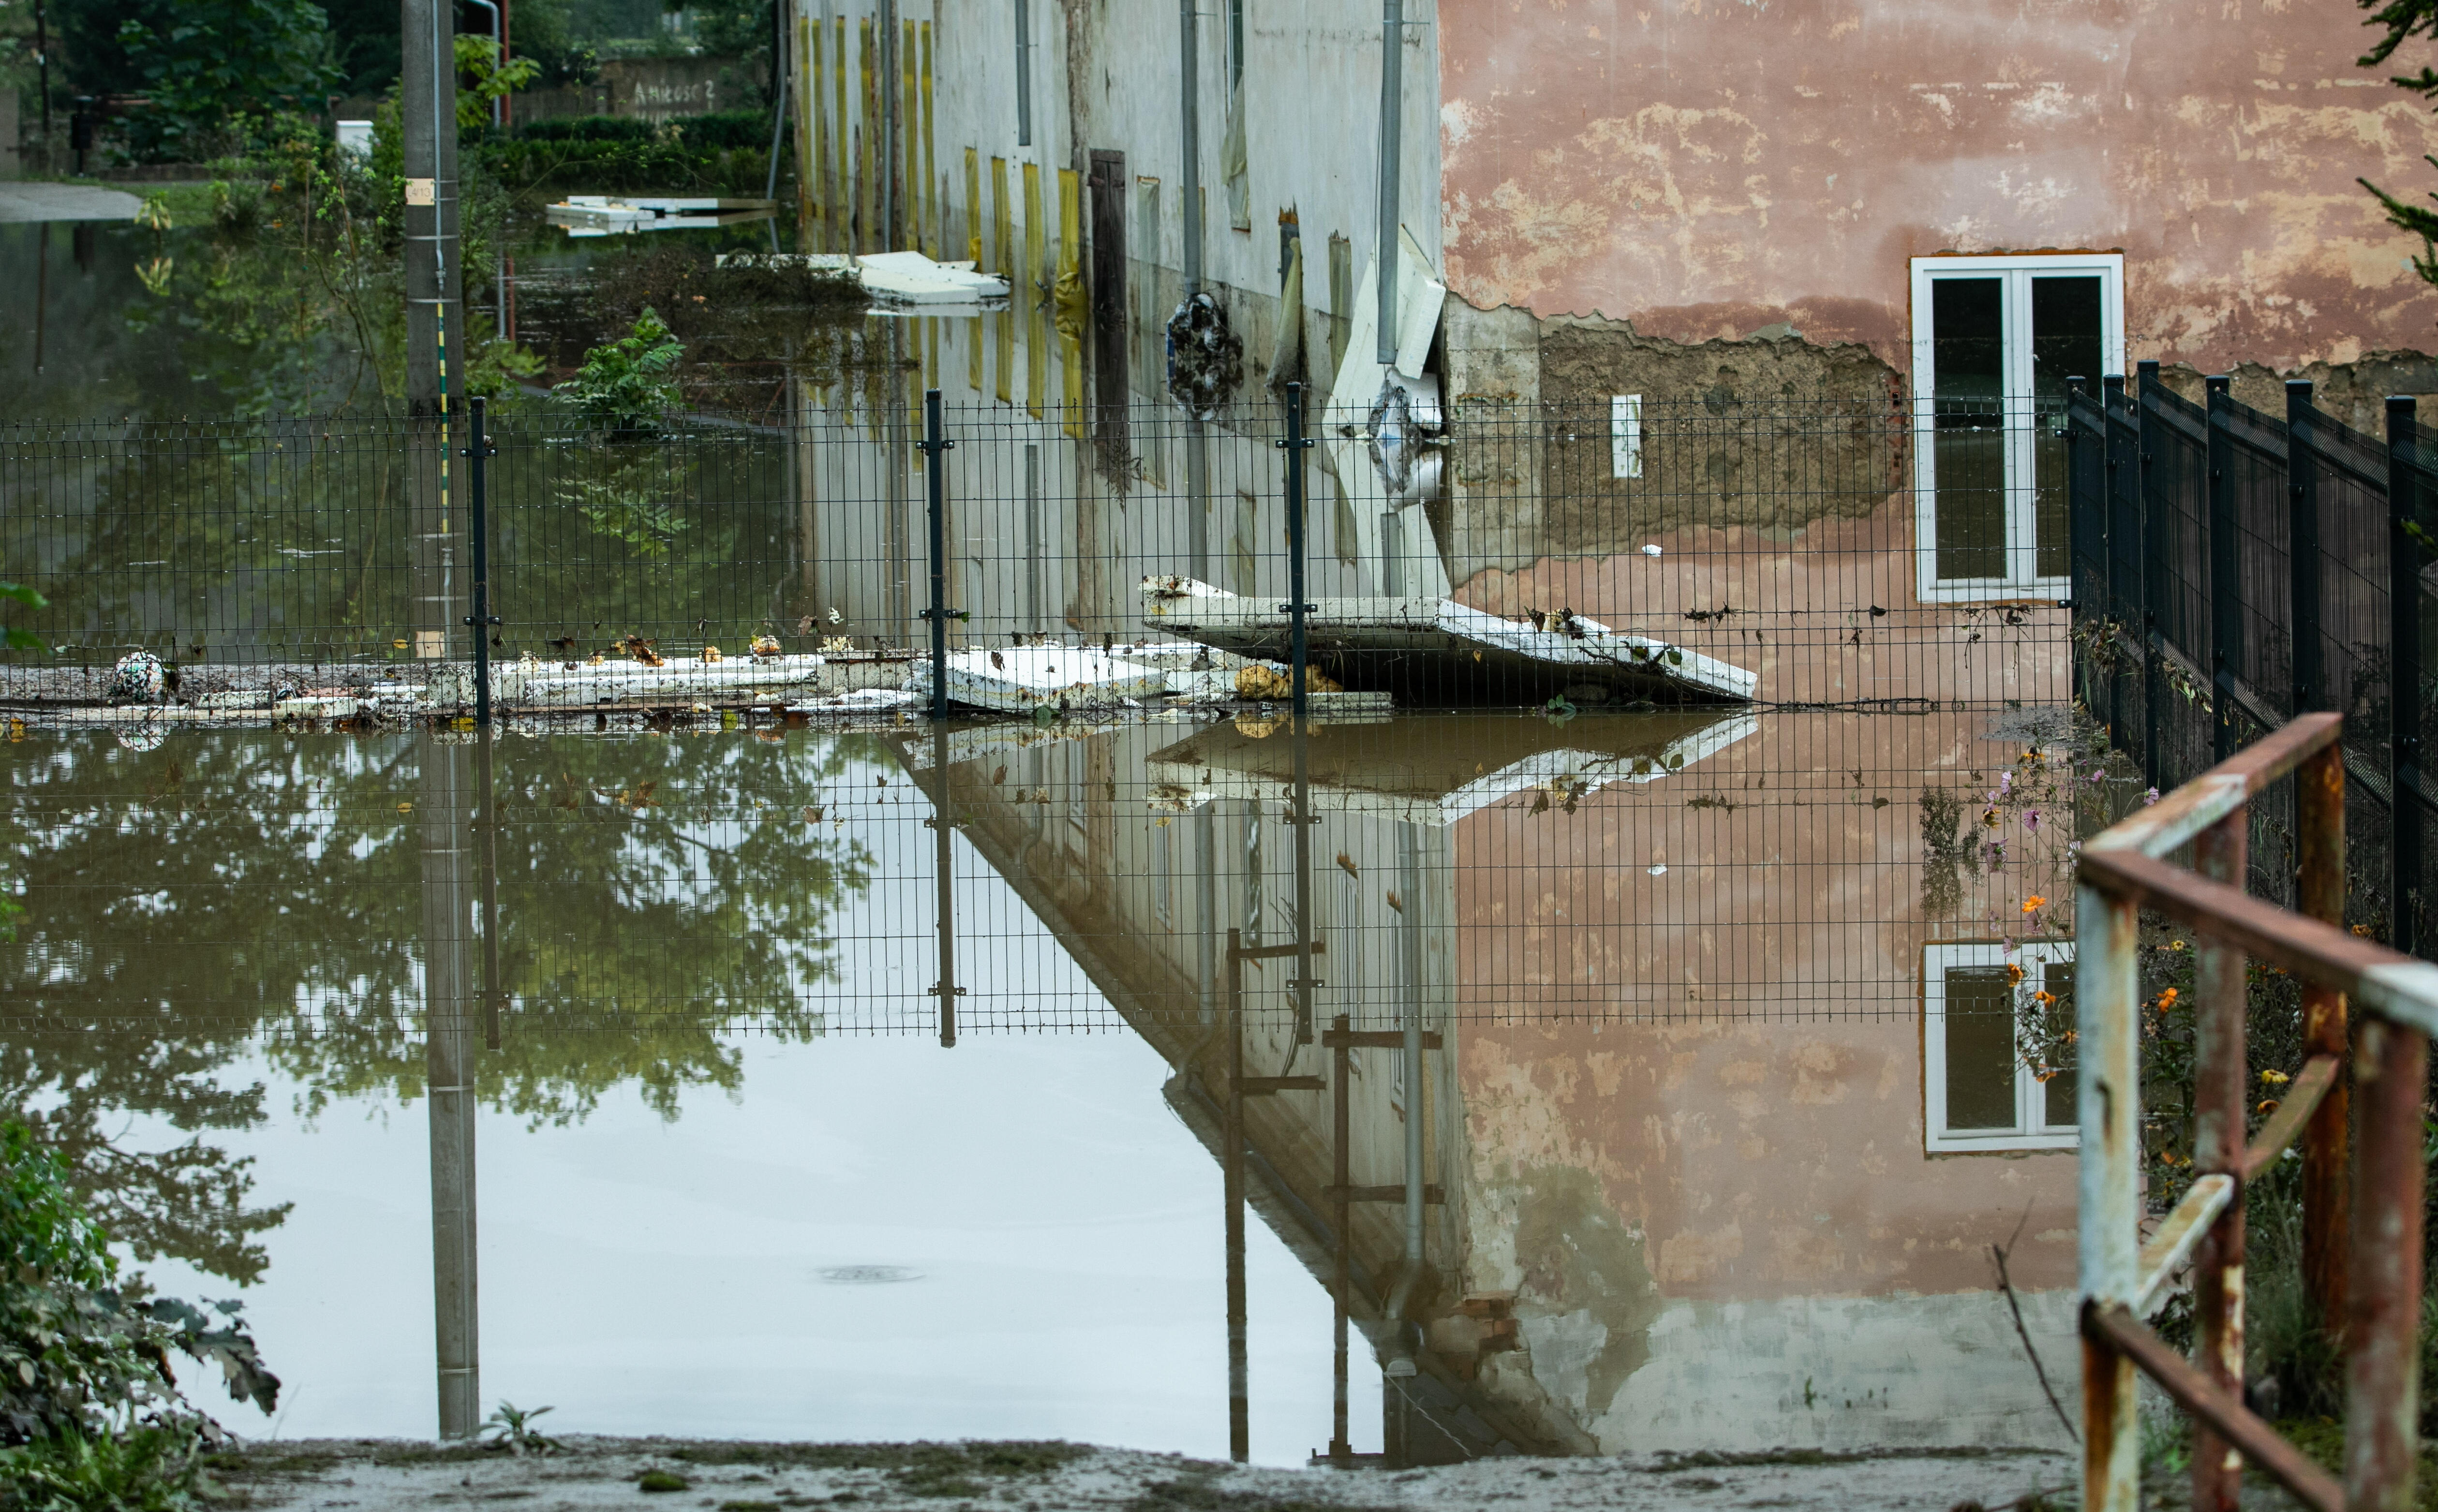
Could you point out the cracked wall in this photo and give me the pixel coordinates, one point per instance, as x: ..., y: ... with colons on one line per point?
x: 1708, y: 170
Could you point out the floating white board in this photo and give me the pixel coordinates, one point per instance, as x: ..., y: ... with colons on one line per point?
x: 601, y: 215
x: 911, y: 278
x: 1436, y: 647
x: 1018, y: 679
x: 555, y: 685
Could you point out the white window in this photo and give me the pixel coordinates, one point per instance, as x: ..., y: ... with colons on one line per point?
x: 1995, y: 340
x: 1996, y: 1064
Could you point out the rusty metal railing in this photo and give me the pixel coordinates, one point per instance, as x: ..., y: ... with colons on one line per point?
x: 2362, y: 1227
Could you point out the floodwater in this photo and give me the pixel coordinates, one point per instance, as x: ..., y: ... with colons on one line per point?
x: 725, y: 1078
x: 726, y: 1178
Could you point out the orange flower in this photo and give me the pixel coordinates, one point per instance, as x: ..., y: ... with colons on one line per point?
x: 2167, y: 1000
x: 2266, y: 1106
x: 2014, y: 973
x: 2034, y: 902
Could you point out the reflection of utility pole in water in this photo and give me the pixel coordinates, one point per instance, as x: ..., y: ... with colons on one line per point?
x: 1198, y: 492
x: 41, y: 268
x: 435, y: 368
x: 448, y: 1084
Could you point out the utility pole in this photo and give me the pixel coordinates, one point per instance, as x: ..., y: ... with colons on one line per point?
x: 1392, y: 96
x: 436, y: 325
x: 42, y: 72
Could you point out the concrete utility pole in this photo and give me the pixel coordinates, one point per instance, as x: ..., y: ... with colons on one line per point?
x: 1392, y: 97
x: 435, y: 325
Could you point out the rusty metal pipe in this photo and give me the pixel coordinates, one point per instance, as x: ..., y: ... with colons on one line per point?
x: 2320, y: 893
x: 2108, y: 1106
x: 2218, y: 1147
x: 2116, y: 1332
x: 2383, y: 1340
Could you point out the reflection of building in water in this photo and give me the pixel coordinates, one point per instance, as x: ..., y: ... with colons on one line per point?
x: 1688, y: 1194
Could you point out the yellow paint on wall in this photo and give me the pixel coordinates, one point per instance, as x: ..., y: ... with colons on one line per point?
x: 1070, y: 298
x: 842, y: 191
x: 909, y: 117
x: 1004, y: 265
x: 867, y: 178
x: 1036, y: 351
x: 934, y: 236
x: 810, y: 211
x: 974, y: 250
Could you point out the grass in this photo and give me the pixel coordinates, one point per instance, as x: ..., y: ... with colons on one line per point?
x: 661, y: 1481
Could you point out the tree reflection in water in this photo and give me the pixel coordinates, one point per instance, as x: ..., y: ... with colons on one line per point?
x: 242, y: 892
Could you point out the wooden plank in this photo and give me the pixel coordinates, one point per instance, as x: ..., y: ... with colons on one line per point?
x: 1376, y: 1039
x: 1433, y: 1195
x: 1262, y: 1086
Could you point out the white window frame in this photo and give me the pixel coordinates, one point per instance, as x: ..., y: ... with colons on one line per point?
x: 2015, y: 316
x: 2031, y: 1131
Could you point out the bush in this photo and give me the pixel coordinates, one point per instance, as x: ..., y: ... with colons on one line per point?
x: 90, y: 1415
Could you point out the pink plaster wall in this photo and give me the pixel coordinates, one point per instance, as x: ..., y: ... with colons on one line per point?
x: 1705, y: 167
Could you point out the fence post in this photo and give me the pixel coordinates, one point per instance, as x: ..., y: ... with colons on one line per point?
x: 2107, y: 1098
x: 2404, y: 672
x: 935, y: 447
x: 2219, y: 1085
x: 2320, y: 893
x: 478, y: 449
x: 943, y: 822
x: 2154, y: 573
x: 2302, y: 546
x: 2383, y: 1342
x: 2124, y: 534
x: 2080, y: 516
x: 1295, y: 444
x: 1341, y: 1072
x: 2226, y: 571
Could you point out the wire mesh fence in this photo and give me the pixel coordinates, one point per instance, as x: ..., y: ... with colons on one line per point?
x: 952, y: 878
x: 1690, y: 548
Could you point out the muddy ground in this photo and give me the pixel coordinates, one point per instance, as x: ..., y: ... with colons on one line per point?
x: 669, y: 1475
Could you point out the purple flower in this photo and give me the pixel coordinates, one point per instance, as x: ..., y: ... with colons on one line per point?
x: 2031, y: 819
x: 2150, y: 798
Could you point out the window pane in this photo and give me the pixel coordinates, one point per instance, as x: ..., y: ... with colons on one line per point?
x: 2065, y: 343
x: 1980, y: 1049
x: 1968, y: 351
x: 2058, y: 1110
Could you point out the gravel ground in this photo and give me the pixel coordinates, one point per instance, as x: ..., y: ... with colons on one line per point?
x: 668, y: 1475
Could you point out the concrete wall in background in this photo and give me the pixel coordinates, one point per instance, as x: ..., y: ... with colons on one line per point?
x: 654, y: 89
x: 1706, y: 171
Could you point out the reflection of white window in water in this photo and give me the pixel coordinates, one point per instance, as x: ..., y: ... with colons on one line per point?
x: 1163, y: 856
x: 1996, y: 1067
x: 1995, y: 340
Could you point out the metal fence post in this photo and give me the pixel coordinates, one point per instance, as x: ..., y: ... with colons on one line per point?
x: 2226, y: 571
x: 2302, y: 546
x: 1295, y: 444
x: 2079, y: 516
x: 2320, y: 893
x: 1341, y: 1072
x: 2404, y: 704
x: 2219, y: 1085
x: 2154, y: 573
x: 2383, y: 1339
x: 935, y: 447
x: 2123, y: 539
x: 2107, y: 1098
x: 478, y: 450
x: 944, y: 821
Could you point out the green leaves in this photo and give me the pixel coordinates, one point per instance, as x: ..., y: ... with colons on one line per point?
x: 478, y: 56
x: 205, y: 63
x: 13, y: 638
x: 626, y: 386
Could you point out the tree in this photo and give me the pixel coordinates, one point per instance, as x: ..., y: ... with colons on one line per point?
x: 2402, y: 20
x: 208, y: 64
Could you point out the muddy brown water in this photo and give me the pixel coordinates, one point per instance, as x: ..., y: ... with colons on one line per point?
x: 1723, y: 1118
